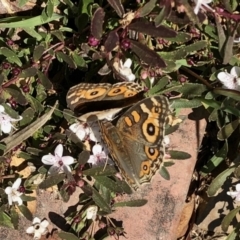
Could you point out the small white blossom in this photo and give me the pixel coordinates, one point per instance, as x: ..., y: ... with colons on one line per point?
x: 99, y: 156
x: 59, y: 162
x: 5, y: 121
x: 92, y: 212
x: 125, y: 70
x: 200, y: 4
x: 81, y: 130
x: 230, y: 80
x: 235, y: 194
x: 13, y: 193
x: 85, y: 132
x: 38, y: 228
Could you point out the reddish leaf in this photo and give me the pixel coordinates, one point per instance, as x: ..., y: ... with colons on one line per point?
x: 143, y: 26
x: 118, y: 7
x: 147, y: 55
x: 112, y: 41
x: 97, y: 23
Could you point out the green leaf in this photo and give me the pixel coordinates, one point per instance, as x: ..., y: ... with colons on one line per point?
x: 184, y: 51
x: 147, y: 8
x: 27, y: 116
x: 35, y: 104
x: 108, y: 183
x: 100, y: 171
x: 26, y: 22
x: 83, y: 157
x: 79, y: 61
x: 98, y: 199
x: 215, y: 160
x: 66, y: 58
x: 132, y: 203
x: 50, y: 7
x: 17, y: 94
x: 219, y: 181
x: 33, y: 33
x: 14, y: 217
x: 67, y: 236
x: 185, y: 103
x: 58, y: 34
x: 228, y: 218
x: 179, y: 155
x: 10, y: 55
x: 38, y: 52
x: 192, y: 89
x: 28, y: 72
x: 5, y: 220
x: 159, y: 86
x: 181, y: 37
x: 10, y: 111
x: 26, y: 212
x: 221, y: 35
x: 21, y: 3
x: 226, y: 131
x: 52, y: 181
x: 14, y: 140
x: 228, y: 93
x: 164, y: 173
x: 44, y: 80
x: 27, y: 198
x: 234, y: 234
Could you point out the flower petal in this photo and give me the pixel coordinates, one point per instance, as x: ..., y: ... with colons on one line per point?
x: 49, y: 159
x: 235, y: 71
x: 30, y: 230
x: 17, y: 183
x: 36, y: 220
x: 44, y: 223
x: 19, y: 201
x: 2, y: 109
x: 37, y: 235
x: 92, y: 159
x: 232, y: 194
x: 8, y: 190
x: 97, y: 149
x: 10, y: 200
x: 67, y: 160
x: 127, y: 63
x: 6, y: 126
x: 197, y: 7
x: 59, y: 150
x: 238, y: 187
x: 131, y: 77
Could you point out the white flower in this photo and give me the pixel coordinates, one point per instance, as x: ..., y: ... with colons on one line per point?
x: 125, y: 70
x: 5, y: 121
x: 13, y: 193
x: 85, y: 132
x: 58, y: 162
x: 38, y: 228
x: 235, y: 194
x: 199, y: 4
x: 81, y: 130
x: 230, y: 80
x: 99, y: 155
x: 92, y: 212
